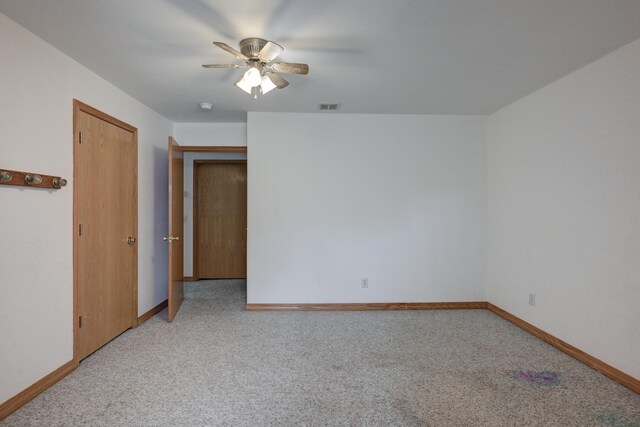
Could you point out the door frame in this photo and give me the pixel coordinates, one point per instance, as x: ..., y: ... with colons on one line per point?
x: 196, y: 240
x: 78, y: 107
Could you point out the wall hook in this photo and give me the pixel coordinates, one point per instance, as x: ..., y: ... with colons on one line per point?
x: 33, y: 179
x: 30, y: 179
x: 5, y: 176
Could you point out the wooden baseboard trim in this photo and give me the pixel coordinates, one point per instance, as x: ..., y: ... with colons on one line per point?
x: 369, y: 306
x: 14, y: 403
x: 190, y: 279
x: 149, y: 314
x: 615, y: 374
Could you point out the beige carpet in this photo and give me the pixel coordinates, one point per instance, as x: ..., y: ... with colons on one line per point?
x: 219, y: 365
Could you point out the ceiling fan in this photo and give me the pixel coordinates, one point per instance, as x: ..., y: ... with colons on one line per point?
x: 262, y: 75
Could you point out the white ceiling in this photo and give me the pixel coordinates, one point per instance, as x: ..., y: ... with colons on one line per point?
x: 373, y: 56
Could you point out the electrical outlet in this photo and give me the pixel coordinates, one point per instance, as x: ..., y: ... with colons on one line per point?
x: 532, y: 299
x: 364, y: 283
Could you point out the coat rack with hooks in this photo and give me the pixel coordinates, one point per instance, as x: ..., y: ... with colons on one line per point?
x: 30, y: 179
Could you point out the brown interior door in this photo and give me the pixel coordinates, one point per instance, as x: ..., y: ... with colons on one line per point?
x: 106, y: 216
x: 221, y: 219
x: 176, y: 228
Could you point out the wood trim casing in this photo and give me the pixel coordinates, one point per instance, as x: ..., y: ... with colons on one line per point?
x: 194, y: 224
x: 605, y: 369
x: 190, y: 279
x: 213, y: 149
x: 195, y: 261
x: 20, y: 399
x: 79, y: 106
x: 468, y: 305
x: 149, y: 314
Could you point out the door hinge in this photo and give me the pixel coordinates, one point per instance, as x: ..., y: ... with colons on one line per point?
x: 79, y: 321
x: 80, y: 138
x: 79, y: 229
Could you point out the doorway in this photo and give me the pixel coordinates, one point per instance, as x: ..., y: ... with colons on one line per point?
x: 220, y: 219
x: 182, y: 228
x: 105, y: 228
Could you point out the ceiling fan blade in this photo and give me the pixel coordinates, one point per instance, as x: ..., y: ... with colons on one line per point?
x: 291, y: 68
x: 277, y: 80
x: 222, y: 66
x: 270, y: 51
x: 231, y: 50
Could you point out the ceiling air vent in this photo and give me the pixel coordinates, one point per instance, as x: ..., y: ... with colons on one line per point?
x: 329, y: 107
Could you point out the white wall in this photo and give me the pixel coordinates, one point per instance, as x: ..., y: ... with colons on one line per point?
x: 335, y: 198
x: 37, y: 86
x: 229, y: 134
x: 564, y: 208
x: 188, y: 200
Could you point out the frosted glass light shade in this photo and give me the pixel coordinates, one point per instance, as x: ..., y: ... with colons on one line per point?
x: 244, y: 85
x: 253, y: 77
x: 266, y: 85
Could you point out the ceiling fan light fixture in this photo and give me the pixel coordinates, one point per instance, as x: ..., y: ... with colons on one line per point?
x: 262, y: 75
x: 253, y: 76
x: 267, y: 85
x: 243, y: 84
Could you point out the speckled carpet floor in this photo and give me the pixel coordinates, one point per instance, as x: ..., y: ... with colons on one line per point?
x: 219, y: 365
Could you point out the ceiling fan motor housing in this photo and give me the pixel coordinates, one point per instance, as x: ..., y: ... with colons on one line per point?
x: 252, y: 46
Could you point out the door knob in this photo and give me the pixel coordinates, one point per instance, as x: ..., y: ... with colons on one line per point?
x: 170, y: 239
x: 131, y: 240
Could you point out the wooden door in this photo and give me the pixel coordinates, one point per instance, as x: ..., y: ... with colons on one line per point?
x: 106, y: 209
x: 176, y: 228
x: 220, y: 219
